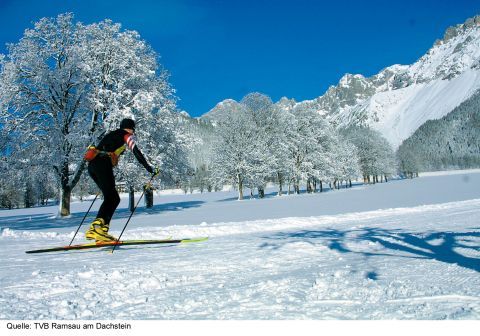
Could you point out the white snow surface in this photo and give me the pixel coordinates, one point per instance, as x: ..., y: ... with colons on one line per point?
x: 406, y: 249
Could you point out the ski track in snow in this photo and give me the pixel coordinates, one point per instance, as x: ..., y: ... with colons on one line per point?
x: 419, y: 262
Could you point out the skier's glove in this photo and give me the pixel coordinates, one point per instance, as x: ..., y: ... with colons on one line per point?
x: 155, y: 171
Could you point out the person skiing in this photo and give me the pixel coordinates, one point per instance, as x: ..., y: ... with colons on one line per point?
x: 101, y: 160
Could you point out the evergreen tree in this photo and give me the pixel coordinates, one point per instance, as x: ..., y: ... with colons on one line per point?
x: 451, y: 142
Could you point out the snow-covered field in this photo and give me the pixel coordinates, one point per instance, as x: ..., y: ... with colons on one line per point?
x: 406, y: 249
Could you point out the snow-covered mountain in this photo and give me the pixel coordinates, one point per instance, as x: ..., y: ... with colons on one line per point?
x: 397, y: 113
x: 400, y: 98
x: 218, y: 112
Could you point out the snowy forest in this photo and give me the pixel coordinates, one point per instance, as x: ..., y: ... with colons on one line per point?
x: 452, y: 142
x: 65, y: 84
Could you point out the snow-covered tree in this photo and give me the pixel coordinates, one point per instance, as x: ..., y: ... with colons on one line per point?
x: 309, y: 145
x: 125, y: 81
x: 121, y: 71
x: 282, y: 169
x: 64, y: 83
x: 168, y: 146
x: 43, y: 88
x: 376, y: 156
x: 200, y: 137
x: 269, y: 136
x: 450, y: 142
x: 234, y: 149
x: 249, y: 150
x: 347, y: 166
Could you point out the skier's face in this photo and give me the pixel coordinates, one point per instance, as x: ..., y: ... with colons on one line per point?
x: 129, y: 130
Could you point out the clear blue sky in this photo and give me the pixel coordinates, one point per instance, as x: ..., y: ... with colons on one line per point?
x: 218, y: 49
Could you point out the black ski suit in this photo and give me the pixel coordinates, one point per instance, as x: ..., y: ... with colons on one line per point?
x: 101, y: 169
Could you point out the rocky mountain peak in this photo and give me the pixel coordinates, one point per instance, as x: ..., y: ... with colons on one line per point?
x: 400, y: 98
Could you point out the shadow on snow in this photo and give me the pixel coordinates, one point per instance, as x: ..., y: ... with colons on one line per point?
x: 440, y: 246
x: 49, y: 221
x: 274, y: 194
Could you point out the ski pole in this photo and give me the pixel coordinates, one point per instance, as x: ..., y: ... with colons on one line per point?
x: 130, y: 217
x: 86, y: 214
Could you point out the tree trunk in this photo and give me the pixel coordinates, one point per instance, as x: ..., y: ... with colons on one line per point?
x: 28, y: 199
x: 240, y: 187
x: 131, y: 198
x: 309, y: 186
x: 65, y: 191
x: 65, y: 194
x: 67, y: 186
x: 148, y: 196
x: 321, y: 186
x: 280, y: 184
x: 296, y: 186
x: 261, y: 192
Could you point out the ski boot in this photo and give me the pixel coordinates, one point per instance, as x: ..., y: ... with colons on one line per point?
x: 99, y: 231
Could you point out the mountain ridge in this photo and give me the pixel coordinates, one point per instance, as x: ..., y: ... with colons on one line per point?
x: 400, y: 98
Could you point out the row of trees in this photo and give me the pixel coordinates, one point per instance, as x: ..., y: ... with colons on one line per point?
x: 65, y: 84
x: 256, y: 141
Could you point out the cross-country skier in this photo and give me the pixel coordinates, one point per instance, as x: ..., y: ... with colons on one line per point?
x: 102, y: 159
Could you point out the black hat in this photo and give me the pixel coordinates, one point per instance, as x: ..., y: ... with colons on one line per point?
x: 127, y: 123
